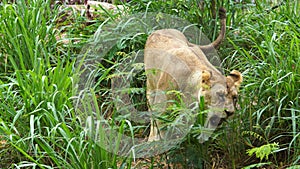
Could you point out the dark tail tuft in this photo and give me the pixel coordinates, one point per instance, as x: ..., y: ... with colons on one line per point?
x: 222, y: 13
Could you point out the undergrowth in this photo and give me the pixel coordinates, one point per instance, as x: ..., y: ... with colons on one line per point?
x: 39, y: 123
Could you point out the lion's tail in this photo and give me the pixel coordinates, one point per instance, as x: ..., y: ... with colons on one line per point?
x: 216, y: 43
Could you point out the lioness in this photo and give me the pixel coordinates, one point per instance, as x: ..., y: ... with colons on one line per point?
x: 183, y: 66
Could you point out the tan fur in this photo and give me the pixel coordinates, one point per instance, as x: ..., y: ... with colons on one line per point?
x: 173, y: 63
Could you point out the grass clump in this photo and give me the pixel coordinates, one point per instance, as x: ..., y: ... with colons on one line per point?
x: 26, y: 34
x: 39, y: 127
x: 266, y: 48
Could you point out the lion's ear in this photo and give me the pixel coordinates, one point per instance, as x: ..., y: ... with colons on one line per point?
x: 200, y: 78
x: 234, y: 78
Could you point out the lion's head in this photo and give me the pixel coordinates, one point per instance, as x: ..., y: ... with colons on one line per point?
x: 220, y: 97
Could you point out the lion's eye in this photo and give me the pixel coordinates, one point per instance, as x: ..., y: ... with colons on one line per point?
x: 221, y: 96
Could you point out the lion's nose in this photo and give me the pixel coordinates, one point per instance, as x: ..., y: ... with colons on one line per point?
x: 215, y: 120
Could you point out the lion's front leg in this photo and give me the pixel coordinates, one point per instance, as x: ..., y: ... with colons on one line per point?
x: 154, y: 131
x: 157, y: 102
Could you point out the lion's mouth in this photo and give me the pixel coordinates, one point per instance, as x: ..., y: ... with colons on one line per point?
x: 229, y: 113
x: 213, y: 122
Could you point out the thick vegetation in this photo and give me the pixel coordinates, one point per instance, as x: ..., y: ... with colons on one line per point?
x: 40, y: 59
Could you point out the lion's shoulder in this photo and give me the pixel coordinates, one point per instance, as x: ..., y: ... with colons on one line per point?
x: 166, y: 38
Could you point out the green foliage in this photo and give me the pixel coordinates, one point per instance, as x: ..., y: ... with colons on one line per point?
x: 194, y: 11
x: 263, y: 151
x: 26, y: 34
x: 294, y: 167
x: 39, y: 127
x: 269, y: 61
x: 256, y: 165
x: 38, y: 124
x: 253, y: 134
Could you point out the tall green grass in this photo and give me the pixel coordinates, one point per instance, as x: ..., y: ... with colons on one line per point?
x: 266, y: 48
x: 26, y: 34
x: 37, y: 75
x: 38, y: 123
